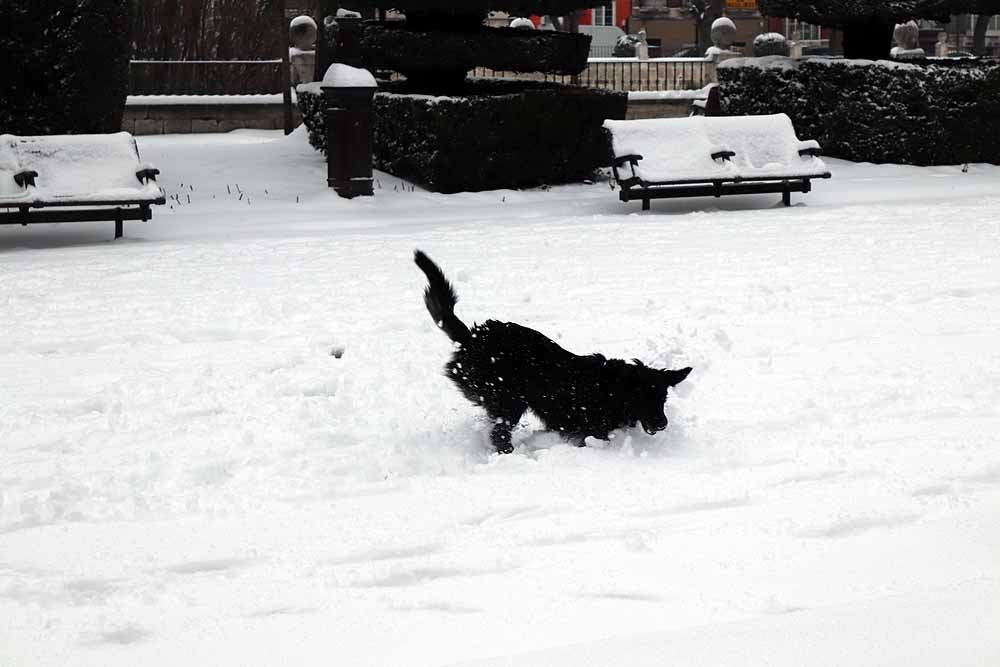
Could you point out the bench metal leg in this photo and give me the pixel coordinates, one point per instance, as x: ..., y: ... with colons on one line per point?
x: 786, y: 198
x: 645, y: 204
x: 118, y: 223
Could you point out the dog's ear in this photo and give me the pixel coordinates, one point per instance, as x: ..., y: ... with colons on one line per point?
x: 676, y: 377
x: 638, y: 363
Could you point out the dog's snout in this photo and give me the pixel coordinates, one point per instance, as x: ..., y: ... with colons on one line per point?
x: 655, y: 427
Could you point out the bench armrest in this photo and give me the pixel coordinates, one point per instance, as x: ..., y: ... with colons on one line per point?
x: 809, y: 147
x: 25, y: 177
x: 619, y: 162
x: 147, y: 173
x: 724, y: 155
x: 632, y: 158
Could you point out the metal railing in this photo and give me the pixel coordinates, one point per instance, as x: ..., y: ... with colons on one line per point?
x: 602, y: 51
x: 628, y: 74
x: 268, y: 76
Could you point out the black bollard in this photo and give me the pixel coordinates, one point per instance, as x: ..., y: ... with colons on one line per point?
x: 349, y: 136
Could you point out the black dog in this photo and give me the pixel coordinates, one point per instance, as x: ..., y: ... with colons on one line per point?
x: 507, y: 369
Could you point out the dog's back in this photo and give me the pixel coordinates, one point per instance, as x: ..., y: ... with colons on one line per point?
x: 514, y: 367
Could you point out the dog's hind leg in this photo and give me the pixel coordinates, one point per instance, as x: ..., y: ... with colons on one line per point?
x: 504, y: 419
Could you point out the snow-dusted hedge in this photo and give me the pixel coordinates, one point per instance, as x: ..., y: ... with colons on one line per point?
x: 503, y: 134
x: 923, y: 114
x: 405, y: 50
x: 310, y: 99
x: 66, y: 66
x: 770, y: 44
x: 513, y: 7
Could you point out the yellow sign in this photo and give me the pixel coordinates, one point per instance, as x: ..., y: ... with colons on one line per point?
x: 742, y: 4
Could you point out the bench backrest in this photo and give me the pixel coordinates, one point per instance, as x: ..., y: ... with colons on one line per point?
x: 671, y: 148
x: 9, y: 165
x: 764, y: 145
x: 80, y: 168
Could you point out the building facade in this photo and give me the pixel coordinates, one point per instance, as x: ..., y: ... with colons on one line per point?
x: 672, y: 27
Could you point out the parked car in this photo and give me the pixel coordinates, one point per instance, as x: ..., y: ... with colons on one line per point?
x: 687, y: 51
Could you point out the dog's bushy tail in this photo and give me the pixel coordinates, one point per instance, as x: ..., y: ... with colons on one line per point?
x: 440, y: 299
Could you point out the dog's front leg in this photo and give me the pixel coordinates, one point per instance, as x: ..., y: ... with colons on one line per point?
x: 505, y: 415
x: 500, y: 437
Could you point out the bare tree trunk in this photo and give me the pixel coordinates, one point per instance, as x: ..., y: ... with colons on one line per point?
x: 979, y: 36
x: 868, y: 39
x: 168, y: 27
x: 837, y: 41
x: 568, y: 23
x: 326, y: 41
x: 713, y: 10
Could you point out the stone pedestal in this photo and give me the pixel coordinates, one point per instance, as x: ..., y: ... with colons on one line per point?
x: 349, y: 93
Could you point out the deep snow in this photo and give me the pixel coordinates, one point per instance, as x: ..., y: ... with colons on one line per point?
x: 189, y: 476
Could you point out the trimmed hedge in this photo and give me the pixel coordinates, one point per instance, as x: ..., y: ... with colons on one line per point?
x: 842, y: 12
x: 67, y: 66
x: 481, y: 141
x: 929, y: 113
x: 310, y: 100
x: 405, y: 50
x: 514, y: 7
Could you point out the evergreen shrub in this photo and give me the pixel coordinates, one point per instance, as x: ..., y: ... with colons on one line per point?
x: 923, y: 113
x: 67, y: 66
x: 498, y: 134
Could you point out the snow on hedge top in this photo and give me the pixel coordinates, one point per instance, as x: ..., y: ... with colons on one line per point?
x: 789, y: 63
x: 680, y: 149
x: 81, y: 167
x: 340, y: 75
x: 769, y: 37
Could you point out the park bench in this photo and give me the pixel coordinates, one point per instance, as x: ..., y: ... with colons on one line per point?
x: 75, y: 178
x: 710, y: 106
x: 711, y: 156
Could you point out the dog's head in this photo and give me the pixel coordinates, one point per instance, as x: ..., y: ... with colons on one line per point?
x: 650, y: 395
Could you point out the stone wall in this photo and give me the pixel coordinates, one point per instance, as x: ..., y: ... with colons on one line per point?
x: 658, y: 108
x: 143, y: 119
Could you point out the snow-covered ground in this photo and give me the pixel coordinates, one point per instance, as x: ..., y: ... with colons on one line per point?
x: 188, y: 476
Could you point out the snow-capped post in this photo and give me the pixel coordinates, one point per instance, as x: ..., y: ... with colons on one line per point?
x: 907, y: 37
x: 723, y: 35
x: 348, y: 93
x: 642, y: 48
x: 302, y: 33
